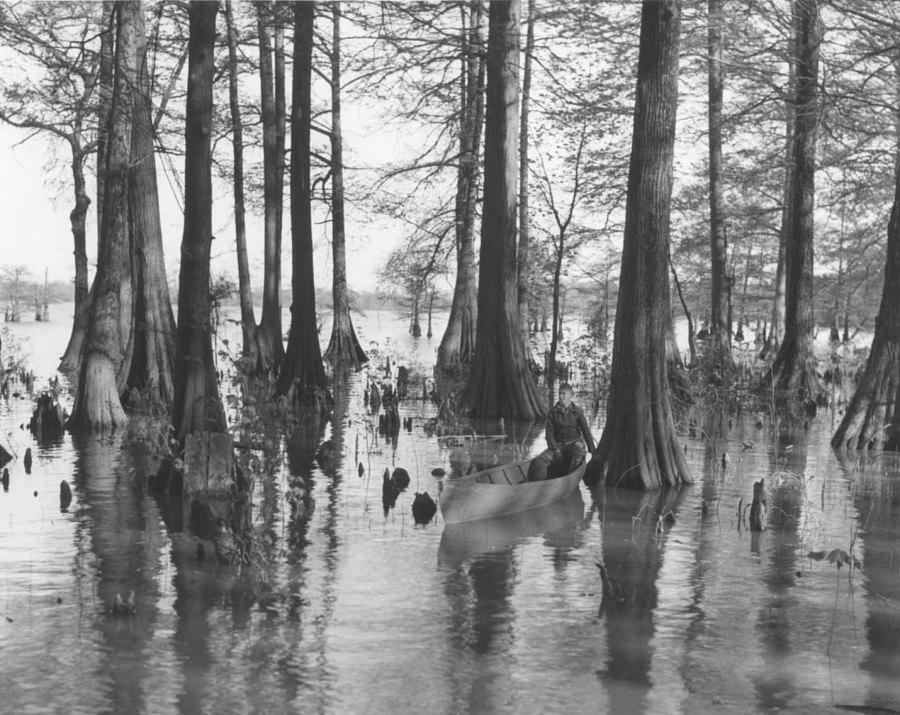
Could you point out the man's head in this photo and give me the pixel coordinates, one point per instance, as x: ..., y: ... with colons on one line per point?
x: 566, y: 393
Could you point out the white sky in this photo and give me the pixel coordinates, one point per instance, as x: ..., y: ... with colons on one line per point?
x: 36, y: 198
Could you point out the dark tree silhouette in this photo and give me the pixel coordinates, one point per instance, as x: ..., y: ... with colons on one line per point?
x: 302, y: 376
x: 269, y: 345
x: 248, y: 320
x: 719, y: 323
x: 197, y: 403
x: 458, y: 342
x: 874, y: 404
x: 501, y: 383
x: 794, y: 371
x: 639, y: 447
x: 153, y: 353
x: 344, y: 347
x: 104, y: 365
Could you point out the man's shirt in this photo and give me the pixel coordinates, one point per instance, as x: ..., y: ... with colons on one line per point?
x: 567, y: 424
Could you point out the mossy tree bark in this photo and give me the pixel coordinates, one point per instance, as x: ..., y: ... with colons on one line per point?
x: 501, y: 383
x: 269, y: 345
x: 109, y: 337
x: 197, y: 403
x: 794, y: 372
x: 458, y: 342
x: 248, y: 319
x: 639, y: 447
x: 302, y: 377
x: 343, y: 347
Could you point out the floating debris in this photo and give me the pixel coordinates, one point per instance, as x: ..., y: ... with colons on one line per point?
x: 423, y: 508
x: 65, y: 496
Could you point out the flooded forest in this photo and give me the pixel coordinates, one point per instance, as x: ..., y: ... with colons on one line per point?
x: 460, y: 356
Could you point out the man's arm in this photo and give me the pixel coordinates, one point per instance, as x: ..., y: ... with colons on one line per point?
x: 548, y: 433
x: 585, y: 430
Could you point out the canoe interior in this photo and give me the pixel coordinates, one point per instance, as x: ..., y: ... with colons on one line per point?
x: 512, y: 473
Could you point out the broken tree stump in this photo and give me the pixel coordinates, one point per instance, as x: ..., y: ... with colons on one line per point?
x: 759, y: 500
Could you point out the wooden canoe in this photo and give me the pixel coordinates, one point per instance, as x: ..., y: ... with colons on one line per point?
x: 501, y: 490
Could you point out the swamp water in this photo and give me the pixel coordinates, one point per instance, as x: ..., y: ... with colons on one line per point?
x: 367, y: 613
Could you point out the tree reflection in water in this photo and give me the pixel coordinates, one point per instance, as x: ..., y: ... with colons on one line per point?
x: 876, y: 495
x: 634, y: 539
x: 777, y: 546
x: 126, y: 540
x: 480, y: 569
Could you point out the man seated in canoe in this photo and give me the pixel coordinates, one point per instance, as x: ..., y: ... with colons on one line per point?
x: 567, y: 431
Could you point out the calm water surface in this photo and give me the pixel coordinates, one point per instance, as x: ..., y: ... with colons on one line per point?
x: 364, y: 612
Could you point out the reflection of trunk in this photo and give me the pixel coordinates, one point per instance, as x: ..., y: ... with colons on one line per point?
x: 429, y: 334
x: 197, y: 405
x: 794, y: 369
x: 878, y: 506
x: 109, y: 333
x: 501, y: 383
x: 153, y: 353
x: 718, y: 326
x: 248, y: 321
x: 458, y: 343
x: 302, y: 376
x: 776, y: 685
x: 270, y: 348
x: 632, y: 557
x: 524, y: 273
x: 639, y: 447
x: 344, y: 347
x: 129, y: 550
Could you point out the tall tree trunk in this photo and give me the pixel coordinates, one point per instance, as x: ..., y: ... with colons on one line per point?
x: 430, y: 334
x: 415, y: 327
x: 248, y: 320
x: 639, y: 447
x: 458, y: 342
x: 557, y: 318
x: 153, y: 354
x: 500, y: 383
x: 718, y: 325
x: 344, y: 347
x: 776, y: 333
x: 794, y: 369
x: 302, y: 377
x: 77, y: 219
x: 525, y: 274
x: 270, y: 348
x: 197, y: 403
x: 105, y: 78
x: 109, y: 337
x: 71, y: 360
x: 871, y: 417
